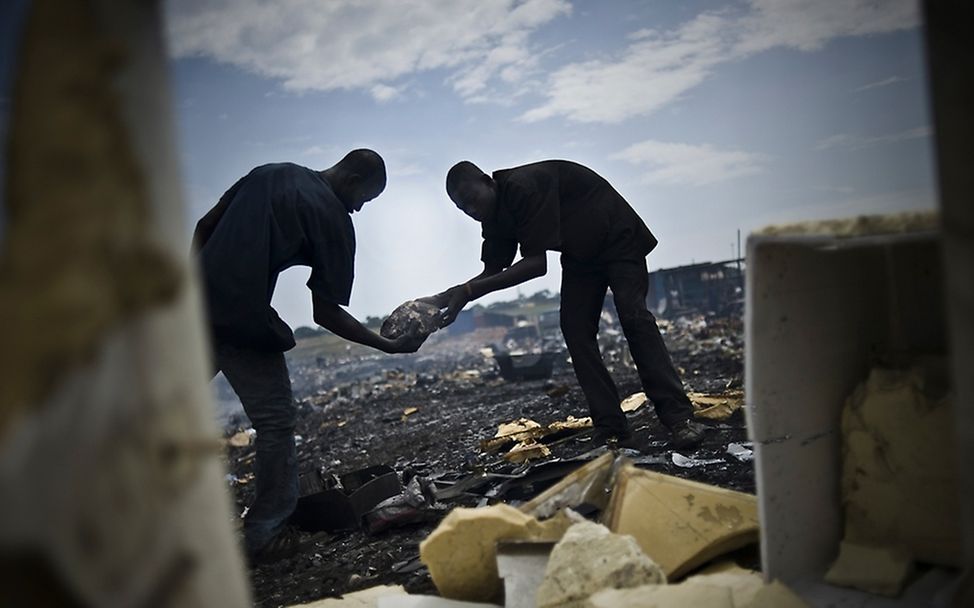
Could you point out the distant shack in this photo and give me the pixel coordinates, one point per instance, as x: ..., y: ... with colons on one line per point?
x: 716, y: 287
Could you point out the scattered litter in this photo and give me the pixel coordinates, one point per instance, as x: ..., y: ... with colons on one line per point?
x: 716, y: 407
x: 527, y: 450
x: 634, y: 402
x: 740, y: 451
x: 588, y: 485
x: 688, y: 462
x: 242, y: 439
x: 570, y: 424
x: 335, y: 503
x: 414, y: 504
x: 233, y: 480
x: 410, y: 565
x: 680, y: 524
x: 518, y: 430
x: 409, y: 411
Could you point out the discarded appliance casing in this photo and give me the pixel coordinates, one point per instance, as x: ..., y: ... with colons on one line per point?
x: 333, y: 505
x: 535, y: 366
x: 823, y: 301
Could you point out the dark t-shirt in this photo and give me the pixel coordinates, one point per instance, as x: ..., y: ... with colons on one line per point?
x: 279, y: 215
x: 562, y: 206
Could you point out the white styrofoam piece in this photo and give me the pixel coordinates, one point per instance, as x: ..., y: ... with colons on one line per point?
x: 818, y: 310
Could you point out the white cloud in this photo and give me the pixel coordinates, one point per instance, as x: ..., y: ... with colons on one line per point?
x: 348, y: 44
x: 880, y: 83
x: 382, y: 92
x: 657, y: 68
x: 686, y: 164
x: 858, y: 142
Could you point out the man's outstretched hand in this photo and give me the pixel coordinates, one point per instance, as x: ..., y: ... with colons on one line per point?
x: 457, y: 297
x: 439, y: 300
x: 405, y: 344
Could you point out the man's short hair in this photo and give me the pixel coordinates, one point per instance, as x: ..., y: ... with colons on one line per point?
x: 368, y: 164
x: 463, y: 171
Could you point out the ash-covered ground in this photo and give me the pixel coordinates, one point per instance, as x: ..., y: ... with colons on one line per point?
x: 356, y: 410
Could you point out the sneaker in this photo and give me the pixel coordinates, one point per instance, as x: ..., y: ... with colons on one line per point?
x: 615, y: 441
x: 687, y: 434
x: 287, y: 543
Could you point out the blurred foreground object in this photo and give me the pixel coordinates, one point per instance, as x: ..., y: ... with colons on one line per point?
x: 109, y: 469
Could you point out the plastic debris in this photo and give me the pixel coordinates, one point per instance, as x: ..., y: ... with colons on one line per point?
x: 415, y: 503
x: 688, y: 462
x: 741, y: 451
x: 242, y: 439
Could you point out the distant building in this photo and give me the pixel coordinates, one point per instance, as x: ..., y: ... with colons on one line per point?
x: 705, y: 287
x: 477, y: 317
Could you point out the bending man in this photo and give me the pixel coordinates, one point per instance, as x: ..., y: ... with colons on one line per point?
x: 278, y: 216
x: 558, y: 205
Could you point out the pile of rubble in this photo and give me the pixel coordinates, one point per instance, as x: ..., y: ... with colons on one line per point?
x: 652, y: 531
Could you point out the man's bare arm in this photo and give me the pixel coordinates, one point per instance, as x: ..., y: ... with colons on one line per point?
x: 442, y: 299
x: 335, y: 319
x: 523, y: 270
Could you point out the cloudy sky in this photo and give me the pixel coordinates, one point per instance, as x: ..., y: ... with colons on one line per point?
x: 708, y: 116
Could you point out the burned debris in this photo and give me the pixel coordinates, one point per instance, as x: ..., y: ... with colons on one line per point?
x: 440, y: 421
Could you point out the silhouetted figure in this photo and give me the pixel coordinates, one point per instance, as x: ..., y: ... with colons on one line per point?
x: 279, y: 216
x: 562, y: 206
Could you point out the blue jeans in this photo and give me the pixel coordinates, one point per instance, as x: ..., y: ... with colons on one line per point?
x: 263, y: 385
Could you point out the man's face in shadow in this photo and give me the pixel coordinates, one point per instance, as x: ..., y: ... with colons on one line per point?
x: 477, y: 198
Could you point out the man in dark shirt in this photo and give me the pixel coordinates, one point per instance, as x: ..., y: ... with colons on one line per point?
x: 562, y: 206
x: 278, y: 216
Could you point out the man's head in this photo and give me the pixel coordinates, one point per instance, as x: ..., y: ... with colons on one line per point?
x: 471, y: 190
x: 357, y: 178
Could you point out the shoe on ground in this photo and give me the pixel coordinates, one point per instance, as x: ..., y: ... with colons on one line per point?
x: 687, y: 434
x: 286, y: 544
x: 614, y: 440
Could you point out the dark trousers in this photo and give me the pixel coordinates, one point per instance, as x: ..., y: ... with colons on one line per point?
x: 583, y: 290
x: 263, y: 385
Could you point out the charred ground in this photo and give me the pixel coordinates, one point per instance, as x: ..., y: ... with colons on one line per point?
x: 353, y: 414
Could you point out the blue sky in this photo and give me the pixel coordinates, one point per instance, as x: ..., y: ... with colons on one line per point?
x: 707, y: 116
